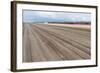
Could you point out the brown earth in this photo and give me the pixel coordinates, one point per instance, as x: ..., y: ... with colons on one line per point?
x: 54, y: 43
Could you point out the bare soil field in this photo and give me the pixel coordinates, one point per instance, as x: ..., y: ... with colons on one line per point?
x: 51, y: 42
x: 84, y: 26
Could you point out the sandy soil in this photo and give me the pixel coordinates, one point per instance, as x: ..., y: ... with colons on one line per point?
x: 84, y: 26
x: 54, y: 43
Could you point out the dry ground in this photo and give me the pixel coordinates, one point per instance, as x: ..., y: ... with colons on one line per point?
x: 83, y: 26
x: 54, y: 43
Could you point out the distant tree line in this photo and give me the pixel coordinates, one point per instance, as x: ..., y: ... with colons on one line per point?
x: 59, y: 22
x: 71, y: 22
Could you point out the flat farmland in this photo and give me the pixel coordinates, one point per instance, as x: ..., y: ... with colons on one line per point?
x: 44, y: 42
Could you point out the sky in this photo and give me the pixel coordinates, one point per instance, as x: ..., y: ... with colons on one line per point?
x: 52, y: 16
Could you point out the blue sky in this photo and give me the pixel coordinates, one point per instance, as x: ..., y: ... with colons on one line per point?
x: 49, y: 16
